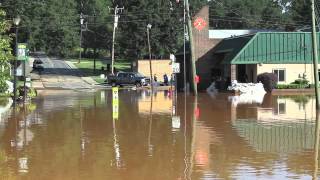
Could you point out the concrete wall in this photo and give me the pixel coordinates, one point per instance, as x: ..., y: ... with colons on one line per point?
x: 159, y: 68
x: 292, y: 71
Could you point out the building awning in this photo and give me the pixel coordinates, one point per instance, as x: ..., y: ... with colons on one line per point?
x: 231, y: 47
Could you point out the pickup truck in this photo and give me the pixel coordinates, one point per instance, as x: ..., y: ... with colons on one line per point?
x: 127, y: 78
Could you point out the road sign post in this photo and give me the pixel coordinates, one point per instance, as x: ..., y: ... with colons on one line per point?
x: 115, y: 103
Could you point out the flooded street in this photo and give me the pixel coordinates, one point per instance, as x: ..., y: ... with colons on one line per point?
x: 76, y: 135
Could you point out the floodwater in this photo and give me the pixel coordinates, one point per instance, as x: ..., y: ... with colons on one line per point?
x: 76, y: 135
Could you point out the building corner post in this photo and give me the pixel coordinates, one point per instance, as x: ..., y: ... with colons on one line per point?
x: 315, y: 55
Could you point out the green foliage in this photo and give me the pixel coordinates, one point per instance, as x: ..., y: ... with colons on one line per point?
x: 300, y: 12
x: 54, y: 26
x: 32, y: 93
x: 240, y: 14
x: 50, y: 25
x: 291, y: 86
x: 297, y: 84
x: 4, y: 101
x: 5, y: 52
x: 312, y: 86
x: 304, y: 99
x: 302, y: 81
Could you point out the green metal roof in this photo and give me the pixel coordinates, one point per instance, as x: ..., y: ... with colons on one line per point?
x: 268, y: 48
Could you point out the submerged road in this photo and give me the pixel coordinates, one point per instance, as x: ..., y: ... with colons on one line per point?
x: 58, y: 74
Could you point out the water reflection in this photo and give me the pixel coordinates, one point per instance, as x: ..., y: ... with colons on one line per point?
x: 160, y: 136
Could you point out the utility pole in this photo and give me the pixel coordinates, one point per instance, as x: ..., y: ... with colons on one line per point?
x: 81, y: 23
x: 192, y: 50
x: 95, y: 43
x: 16, y: 22
x: 115, y: 25
x: 315, y: 56
x: 184, y: 48
x: 150, y: 63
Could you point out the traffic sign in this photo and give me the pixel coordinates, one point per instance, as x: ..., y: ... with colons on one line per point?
x: 115, y: 103
x: 22, y: 52
x: 200, y: 23
x: 176, y: 67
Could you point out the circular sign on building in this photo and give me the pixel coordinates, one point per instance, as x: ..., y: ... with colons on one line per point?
x: 199, y: 23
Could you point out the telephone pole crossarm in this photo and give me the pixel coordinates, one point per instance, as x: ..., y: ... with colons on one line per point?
x: 115, y: 25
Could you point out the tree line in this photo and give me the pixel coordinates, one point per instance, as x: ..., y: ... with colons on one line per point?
x: 54, y: 25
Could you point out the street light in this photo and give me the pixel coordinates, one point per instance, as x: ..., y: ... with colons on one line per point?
x: 16, y: 21
x: 149, y: 26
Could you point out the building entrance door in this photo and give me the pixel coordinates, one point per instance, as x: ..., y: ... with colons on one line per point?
x: 241, y: 74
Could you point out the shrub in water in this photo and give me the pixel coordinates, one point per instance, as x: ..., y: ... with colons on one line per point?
x: 269, y: 81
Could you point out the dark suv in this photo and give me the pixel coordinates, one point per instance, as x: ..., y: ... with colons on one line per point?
x: 127, y: 78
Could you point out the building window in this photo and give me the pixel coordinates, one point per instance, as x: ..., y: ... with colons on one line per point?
x: 280, y: 107
x: 281, y: 73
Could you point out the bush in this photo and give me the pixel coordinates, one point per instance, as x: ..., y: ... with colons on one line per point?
x: 301, y: 82
x: 3, y: 86
x: 312, y: 86
x: 31, y: 92
x: 269, y: 81
x: 291, y: 86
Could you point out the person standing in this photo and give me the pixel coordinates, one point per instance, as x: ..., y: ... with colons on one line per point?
x: 165, y: 79
x: 155, y: 79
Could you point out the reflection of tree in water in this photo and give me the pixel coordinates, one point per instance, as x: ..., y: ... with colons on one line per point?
x: 6, y: 171
x: 4, y: 101
x: 267, y: 101
x: 301, y: 100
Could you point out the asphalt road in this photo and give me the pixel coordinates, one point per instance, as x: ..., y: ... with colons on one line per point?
x: 57, y: 74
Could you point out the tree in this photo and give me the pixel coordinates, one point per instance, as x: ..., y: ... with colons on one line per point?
x: 61, y: 27
x: 300, y: 13
x: 165, y: 18
x: 5, y: 52
x: 97, y: 24
x: 50, y: 25
x: 243, y: 14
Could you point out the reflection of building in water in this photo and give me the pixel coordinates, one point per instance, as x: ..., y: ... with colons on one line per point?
x: 288, y: 109
x: 203, y: 138
x: 281, y: 109
x: 289, y: 137
x: 286, y: 127
x: 162, y: 103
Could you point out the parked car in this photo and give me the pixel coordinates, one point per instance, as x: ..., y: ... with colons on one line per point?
x: 37, y: 64
x: 128, y: 78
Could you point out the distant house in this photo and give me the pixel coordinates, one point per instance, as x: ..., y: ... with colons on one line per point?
x: 243, y: 54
